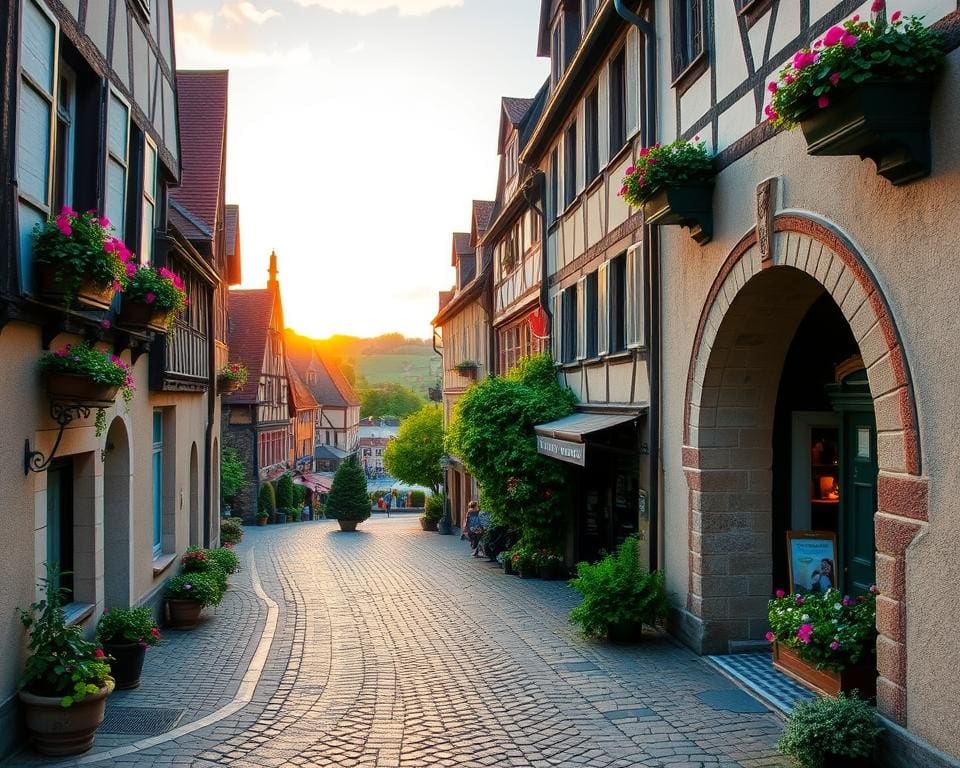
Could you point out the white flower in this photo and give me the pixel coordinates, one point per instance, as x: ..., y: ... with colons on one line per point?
x: 834, y: 621
x: 805, y: 617
x: 837, y: 606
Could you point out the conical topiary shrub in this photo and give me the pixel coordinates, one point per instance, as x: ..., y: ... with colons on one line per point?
x: 267, y: 501
x: 285, y: 494
x: 348, y: 501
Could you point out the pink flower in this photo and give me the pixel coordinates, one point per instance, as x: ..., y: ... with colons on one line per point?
x: 644, y: 152
x: 803, y: 59
x: 805, y: 633
x: 105, y: 324
x: 116, y: 285
x: 896, y: 16
x: 855, y: 19
x: 874, y: 589
x: 131, y: 269
x: 799, y: 600
x: 772, y: 87
x: 65, y: 229
x: 823, y: 102
x: 104, y: 222
x: 630, y: 170
x: 834, y: 646
x: 834, y: 35
x: 818, y: 43
x: 780, y: 593
x: 770, y: 112
x: 111, y: 245
x: 835, y: 78
x: 99, y: 653
x: 155, y: 632
x: 67, y: 211
x: 697, y: 137
x: 623, y: 190
x: 770, y: 637
x: 788, y: 79
x: 877, y: 6
x: 150, y: 297
x: 847, y: 601
x: 849, y: 41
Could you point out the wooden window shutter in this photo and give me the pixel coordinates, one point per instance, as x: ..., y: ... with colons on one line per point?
x: 633, y: 82
x: 603, y: 117
x: 581, y: 147
x: 582, y: 318
x: 603, y: 320
x: 635, y: 294
x: 556, y: 326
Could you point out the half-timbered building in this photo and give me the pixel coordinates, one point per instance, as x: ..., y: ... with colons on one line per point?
x: 304, y: 416
x: 256, y: 420
x: 581, y: 144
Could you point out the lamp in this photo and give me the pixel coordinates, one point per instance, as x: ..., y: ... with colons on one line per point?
x: 446, y: 522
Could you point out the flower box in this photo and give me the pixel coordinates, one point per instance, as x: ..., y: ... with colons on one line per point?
x: 89, y: 294
x: 861, y: 676
x: 689, y: 205
x: 145, y: 317
x: 227, y: 385
x: 73, y: 388
x: 886, y: 121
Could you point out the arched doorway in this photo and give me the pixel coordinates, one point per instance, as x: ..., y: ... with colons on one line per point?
x: 117, y: 552
x: 196, y: 533
x: 783, y: 336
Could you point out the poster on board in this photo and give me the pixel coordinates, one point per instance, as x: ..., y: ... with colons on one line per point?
x: 812, y: 560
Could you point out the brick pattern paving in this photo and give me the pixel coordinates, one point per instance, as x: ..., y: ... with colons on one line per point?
x: 395, y: 648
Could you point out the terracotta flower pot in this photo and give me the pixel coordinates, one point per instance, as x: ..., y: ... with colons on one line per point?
x: 142, y: 316
x: 348, y: 525
x: 183, y: 614
x: 89, y: 294
x: 57, y: 730
x: 127, y: 664
x: 227, y: 385
x: 862, y: 676
x: 79, y: 389
x: 261, y: 521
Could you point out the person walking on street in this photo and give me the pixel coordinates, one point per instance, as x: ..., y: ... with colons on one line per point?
x: 474, y: 527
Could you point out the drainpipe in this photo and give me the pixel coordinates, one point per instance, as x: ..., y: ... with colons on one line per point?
x: 652, y: 274
x: 211, y: 417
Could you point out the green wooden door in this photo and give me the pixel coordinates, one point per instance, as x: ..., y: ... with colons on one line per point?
x: 858, y: 494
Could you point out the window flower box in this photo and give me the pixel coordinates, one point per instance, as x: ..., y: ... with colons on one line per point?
x: 861, y: 676
x: 87, y: 294
x: 231, y: 378
x: 77, y: 388
x: 686, y: 205
x: 144, y: 317
x: 468, y: 369
x: 152, y: 300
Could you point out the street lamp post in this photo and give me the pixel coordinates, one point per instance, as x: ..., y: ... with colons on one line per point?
x: 446, y: 522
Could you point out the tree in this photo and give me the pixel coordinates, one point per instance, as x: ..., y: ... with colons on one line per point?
x: 389, y: 400
x: 233, y: 474
x: 492, y: 433
x: 414, y: 456
x: 348, y: 499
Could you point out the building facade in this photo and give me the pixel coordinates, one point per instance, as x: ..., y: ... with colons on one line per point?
x: 373, y: 442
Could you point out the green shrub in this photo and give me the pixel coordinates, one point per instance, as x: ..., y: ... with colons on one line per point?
x: 844, y: 727
x: 203, y: 587
x: 267, y: 500
x: 198, y: 560
x: 231, y: 530
x: 118, y: 626
x: 417, y: 498
x: 294, y: 514
x: 348, y: 494
x: 226, y: 559
x: 233, y: 474
x: 617, y: 591
x: 285, y: 493
x: 433, y: 508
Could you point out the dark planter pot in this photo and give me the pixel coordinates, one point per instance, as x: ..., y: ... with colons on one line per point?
x: 143, y: 317
x: 281, y: 518
x: 348, y: 525
x: 183, y: 614
x: 689, y: 205
x: 127, y: 663
x: 529, y: 572
x: 89, y: 294
x: 67, y: 387
x: 468, y: 372
x: 56, y: 730
x: 550, y: 572
x: 887, y: 121
x: 625, y: 632
x: 508, y: 566
x: 428, y: 525
x: 862, y: 677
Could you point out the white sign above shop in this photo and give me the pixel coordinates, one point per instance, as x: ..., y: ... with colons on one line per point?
x: 572, y: 453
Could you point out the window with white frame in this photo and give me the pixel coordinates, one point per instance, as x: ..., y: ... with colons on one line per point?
x: 617, y: 303
x: 568, y: 345
x: 149, y: 221
x: 618, y: 102
x: 118, y: 152
x: 590, y: 316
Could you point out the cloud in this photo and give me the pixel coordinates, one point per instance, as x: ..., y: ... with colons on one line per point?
x: 240, y: 12
x: 217, y: 40
x: 365, y: 7
x: 357, y: 48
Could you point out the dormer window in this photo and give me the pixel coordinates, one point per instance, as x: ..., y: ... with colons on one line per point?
x: 511, y: 159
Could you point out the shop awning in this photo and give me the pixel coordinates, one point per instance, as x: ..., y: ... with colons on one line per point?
x: 315, y: 482
x: 565, y: 439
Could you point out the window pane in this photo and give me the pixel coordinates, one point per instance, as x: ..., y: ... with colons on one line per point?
x: 150, y: 171
x: 37, y: 46
x: 116, y: 195
x: 33, y: 144
x: 146, y: 240
x: 117, y: 124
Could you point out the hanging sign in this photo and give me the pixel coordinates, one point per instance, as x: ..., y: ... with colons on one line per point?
x: 572, y: 453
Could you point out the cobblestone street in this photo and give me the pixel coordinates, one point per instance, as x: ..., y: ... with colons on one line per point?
x: 394, y: 647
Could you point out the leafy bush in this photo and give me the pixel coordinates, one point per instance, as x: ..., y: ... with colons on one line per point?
x: 267, y: 500
x: 225, y: 559
x: 233, y: 474
x: 202, y: 587
x: 294, y: 514
x: 118, y: 626
x: 414, y: 456
x: 61, y: 662
x: 197, y: 560
x: 843, y: 727
x: 348, y: 494
x: 433, y: 508
x: 617, y: 590
x: 231, y: 530
x: 677, y: 163
x: 493, y: 434
x: 829, y: 630
x: 389, y: 400
x: 852, y: 53
x: 417, y: 498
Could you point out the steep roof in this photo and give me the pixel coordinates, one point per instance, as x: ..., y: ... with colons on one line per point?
x: 202, y: 102
x: 461, y: 247
x: 250, y: 315
x: 232, y: 236
x: 301, y: 399
x: 515, y: 108
x: 330, y: 387
x: 482, y: 214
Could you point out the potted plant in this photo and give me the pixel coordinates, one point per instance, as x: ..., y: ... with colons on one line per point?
x: 831, y: 733
x: 524, y: 559
x: 467, y: 368
x: 66, y: 679
x: 505, y: 559
x: 267, y: 501
x: 84, y: 375
x: 432, y: 512
x: 262, y: 517
x: 125, y: 634
x: 619, y: 596
x: 152, y: 300
x: 549, y: 564
x: 864, y: 89
x: 827, y: 641
x: 232, y: 377
x: 231, y: 531
x: 187, y: 594
x: 348, y: 503
x: 78, y: 261
x: 673, y: 184
x: 198, y: 560
x: 225, y: 559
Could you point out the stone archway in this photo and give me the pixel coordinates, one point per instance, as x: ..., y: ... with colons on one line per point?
x: 751, y: 312
x: 117, y: 554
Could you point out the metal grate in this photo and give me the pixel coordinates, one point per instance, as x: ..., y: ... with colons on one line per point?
x: 140, y: 721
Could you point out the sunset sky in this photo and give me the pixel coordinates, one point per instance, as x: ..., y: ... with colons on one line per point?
x: 360, y: 130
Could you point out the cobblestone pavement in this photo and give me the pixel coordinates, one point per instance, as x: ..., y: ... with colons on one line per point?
x: 395, y: 648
